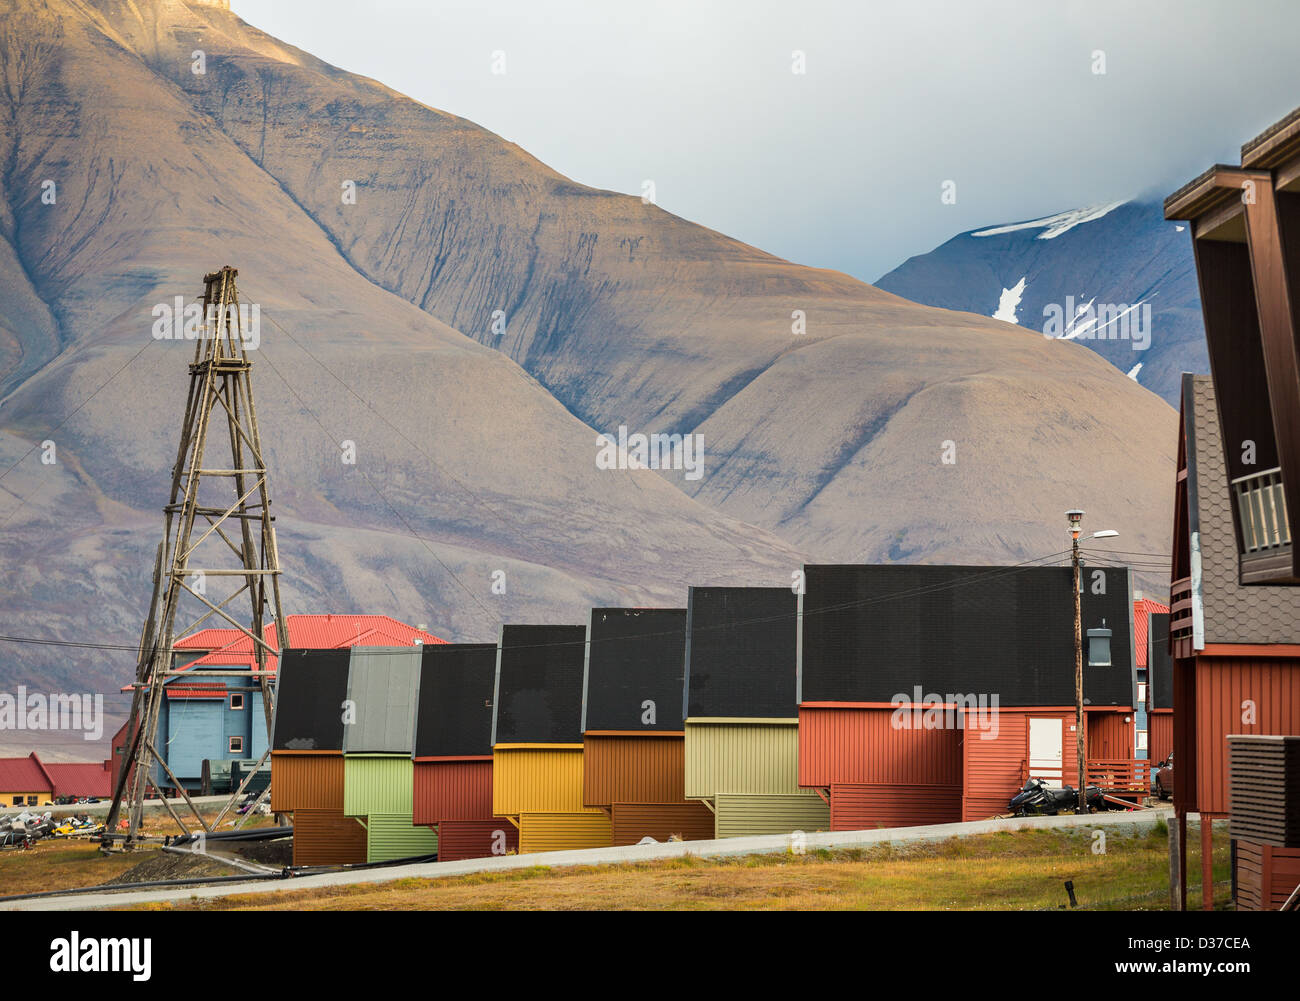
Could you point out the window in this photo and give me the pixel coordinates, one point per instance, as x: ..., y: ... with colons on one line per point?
x: 18, y: 801
x: 1142, y: 740
x: 1142, y: 693
x: 237, y: 701
x: 236, y: 745
x: 1099, y: 647
x: 31, y: 800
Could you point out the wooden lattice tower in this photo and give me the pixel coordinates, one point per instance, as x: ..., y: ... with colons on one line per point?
x: 219, y: 536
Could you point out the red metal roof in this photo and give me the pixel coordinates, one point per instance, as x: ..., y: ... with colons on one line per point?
x: 81, y: 778
x: 24, y: 775
x: 231, y: 648
x: 191, y: 690
x: 1143, y: 609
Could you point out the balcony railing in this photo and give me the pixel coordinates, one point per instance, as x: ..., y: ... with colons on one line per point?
x: 1261, y: 512
x: 1180, y: 608
x: 1120, y: 776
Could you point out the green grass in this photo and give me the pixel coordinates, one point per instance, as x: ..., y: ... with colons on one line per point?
x: 1010, y: 870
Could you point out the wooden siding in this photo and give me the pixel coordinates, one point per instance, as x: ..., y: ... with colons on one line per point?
x: 633, y: 821
x: 740, y: 815
x: 327, y: 837
x: 993, y: 766
x: 452, y: 790
x: 540, y: 780
x: 633, y: 769
x: 1110, y: 737
x: 467, y: 839
x: 1223, y: 687
x: 1160, y: 736
x: 1266, y: 876
x: 392, y: 836
x: 754, y: 757
x: 867, y: 807
x: 862, y: 746
x: 306, y: 782
x: 560, y: 832
x: 377, y: 784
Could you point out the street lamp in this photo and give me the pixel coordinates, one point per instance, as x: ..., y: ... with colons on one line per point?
x: 1075, y: 517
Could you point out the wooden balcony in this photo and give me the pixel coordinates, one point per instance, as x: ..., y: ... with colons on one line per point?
x: 1124, y: 778
x: 1264, y: 528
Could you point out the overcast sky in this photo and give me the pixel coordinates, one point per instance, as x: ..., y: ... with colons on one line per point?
x: 841, y: 166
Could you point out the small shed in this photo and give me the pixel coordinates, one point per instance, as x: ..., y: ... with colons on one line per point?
x: 537, y: 739
x: 453, y: 752
x: 633, y: 738
x: 741, y: 714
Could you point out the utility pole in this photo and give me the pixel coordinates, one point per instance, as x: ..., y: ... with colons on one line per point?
x: 1076, y: 518
x: 218, y: 536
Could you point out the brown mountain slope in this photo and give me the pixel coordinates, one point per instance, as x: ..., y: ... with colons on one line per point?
x: 468, y: 451
x: 630, y: 315
x: 624, y: 312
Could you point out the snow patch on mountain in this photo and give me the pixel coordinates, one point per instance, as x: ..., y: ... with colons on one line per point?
x: 1054, y: 225
x: 1133, y: 372
x: 1008, y: 301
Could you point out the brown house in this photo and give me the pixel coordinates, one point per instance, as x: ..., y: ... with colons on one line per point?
x: 1235, y: 646
x: 1245, y: 224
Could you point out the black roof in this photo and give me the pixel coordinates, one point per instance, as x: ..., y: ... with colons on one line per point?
x: 870, y: 633
x: 634, y: 656
x: 311, y: 686
x: 538, y: 696
x: 454, y: 718
x: 1160, y: 665
x: 740, y: 652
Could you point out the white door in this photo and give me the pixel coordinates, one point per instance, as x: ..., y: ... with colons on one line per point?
x: 1046, y: 743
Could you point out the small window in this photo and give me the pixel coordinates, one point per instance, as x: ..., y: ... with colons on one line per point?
x: 1142, y: 693
x: 236, y: 745
x: 1099, y: 648
x: 1142, y: 740
x: 237, y: 701
x: 31, y: 800
x: 18, y: 801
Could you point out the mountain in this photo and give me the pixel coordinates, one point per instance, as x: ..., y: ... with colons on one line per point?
x: 475, y: 429
x: 1075, y: 275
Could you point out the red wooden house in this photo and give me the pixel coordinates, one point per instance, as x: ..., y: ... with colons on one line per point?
x: 1235, y: 632
x: 928, y: 694
x: 1235, y: 646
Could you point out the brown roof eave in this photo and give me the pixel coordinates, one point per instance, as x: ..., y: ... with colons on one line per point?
x: 1215, y: 187
x: 1274, y: 146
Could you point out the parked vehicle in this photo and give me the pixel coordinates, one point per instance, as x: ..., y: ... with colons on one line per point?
x: 1036, y: 798
x: 1162, y: 783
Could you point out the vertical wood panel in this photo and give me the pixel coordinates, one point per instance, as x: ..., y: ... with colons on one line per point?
x: 1223, y: 686
x: 739, y: 756
x: 306, y: 782
x: 537, y: 780
x: 856, y: 745
x: 627, y: 769
x: 452, y: 790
